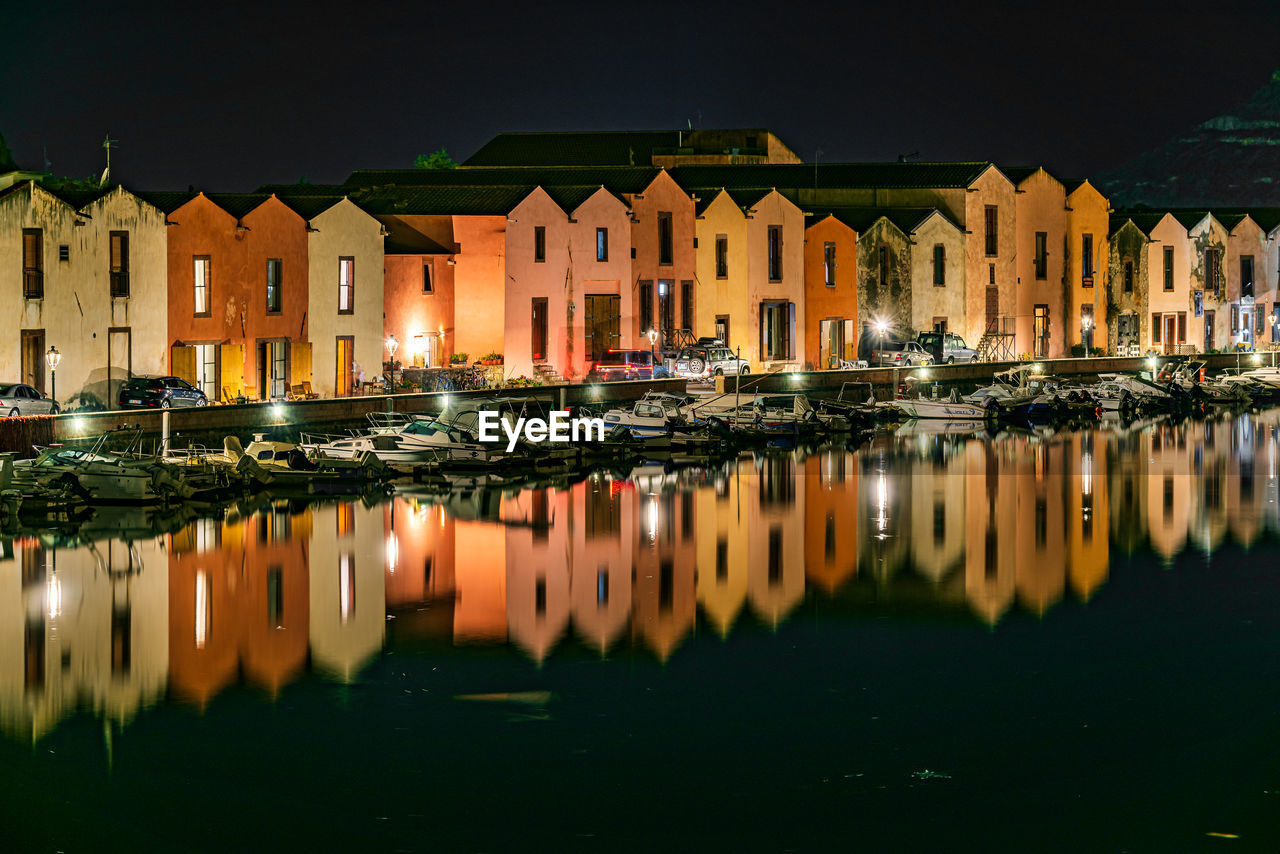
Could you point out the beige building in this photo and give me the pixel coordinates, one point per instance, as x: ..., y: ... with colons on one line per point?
x: 83, y: 274
x: 344, y: 298
x: 937, y: 275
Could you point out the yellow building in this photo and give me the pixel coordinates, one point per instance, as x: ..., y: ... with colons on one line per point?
x: 1087, y: 260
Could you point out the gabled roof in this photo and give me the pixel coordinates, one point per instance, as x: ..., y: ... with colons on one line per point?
x: 303, y: 189
x: 166, y: 200
x: 1144, y: 220
x: 586, y: 148
x: 570, y: 198
x: 1018, y: 174
x: 860, y: 219
x: 461, y: 201
x: 404, y: 239
x: 746, y: 198
x: 237, y: 204
x: 618, y: 179
x: 792, y: 176
x: 310, y: 206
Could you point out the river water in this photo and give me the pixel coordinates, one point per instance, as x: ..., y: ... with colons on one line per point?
x: 1019, y: 642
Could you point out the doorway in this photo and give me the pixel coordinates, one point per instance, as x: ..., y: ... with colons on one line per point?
x: 722, y: 328
x: 830, y: 342
x: 1208, y: 331
x: 538, y: 328
x: 602, y: 325
x: 993, y: 306
x: 344, y: 367
x: 273, y: 369
x: 666, y: 309
x: 1170, y: 334
x: 33, y: 358
x: 1040, y: 334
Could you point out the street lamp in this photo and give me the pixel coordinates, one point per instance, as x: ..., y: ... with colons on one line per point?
x: 653, y: 342
x: 52, y: 358
x: 392, y: 344
x: 1086, y: 327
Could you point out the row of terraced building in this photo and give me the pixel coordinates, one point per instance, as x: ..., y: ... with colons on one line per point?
x: 550, y: 248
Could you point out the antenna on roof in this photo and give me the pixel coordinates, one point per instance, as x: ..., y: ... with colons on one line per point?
x: 903, y: 158
x: 108, y: 143
x: 690, y: 121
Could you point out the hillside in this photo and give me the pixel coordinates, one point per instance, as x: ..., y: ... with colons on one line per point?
x: 1232, y: 159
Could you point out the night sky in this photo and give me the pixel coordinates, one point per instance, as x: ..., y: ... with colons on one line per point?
x: 252, y: 93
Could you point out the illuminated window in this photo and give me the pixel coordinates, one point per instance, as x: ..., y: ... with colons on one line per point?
x: 346, y: 285
x: 201, y: 274
x: 602, y: 244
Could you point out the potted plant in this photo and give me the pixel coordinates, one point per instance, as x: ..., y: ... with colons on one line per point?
x: 458, y: 359
x: 491, y: 359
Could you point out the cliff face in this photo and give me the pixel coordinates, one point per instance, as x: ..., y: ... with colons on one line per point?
x: 1229, y: 160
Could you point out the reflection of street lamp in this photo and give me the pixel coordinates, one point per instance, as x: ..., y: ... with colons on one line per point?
x: 52, y: 358
x: 392, y: 344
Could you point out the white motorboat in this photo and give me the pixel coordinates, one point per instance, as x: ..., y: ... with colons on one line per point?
x: 652, y: 416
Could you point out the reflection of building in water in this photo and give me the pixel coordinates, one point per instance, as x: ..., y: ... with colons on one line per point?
x: 937, y: 494
x: 600, y: 555
x: 348, y: 554
x: 81, y: 628
x: 830, y: 518
x: 1128, y: 491
x: 664, y: 595
x: 722, y: 518
x: 1210, y: 463
x: 1169, y: 481
x: 238, y: 602
x: 537, y: 568
x: 775, y: 538
x: 1088, y: 511
x: 990, y: 519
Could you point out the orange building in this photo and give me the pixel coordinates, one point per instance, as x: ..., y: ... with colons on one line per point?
x: 238, y: 291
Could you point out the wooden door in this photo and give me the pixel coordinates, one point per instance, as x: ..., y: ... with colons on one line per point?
x: 1170, y: 333
x: 1208, y: 331
x: 33, y: 358
x: 993, y: 304
x: 344, y: 366
x: 601, y: 324
x: 538, y: 327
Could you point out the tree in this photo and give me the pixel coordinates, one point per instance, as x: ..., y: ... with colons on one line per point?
x: 6, y: 159
x: 435, y: 160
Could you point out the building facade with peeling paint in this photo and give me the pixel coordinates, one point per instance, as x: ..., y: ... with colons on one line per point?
x: 85, y: 274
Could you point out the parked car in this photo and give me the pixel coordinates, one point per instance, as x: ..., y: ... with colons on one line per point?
x: 617, y: 364
x: 22, y: 399
x: 160, y: 393
x: 946, y: 347
x: 898, y: 353
x: 704, y: 362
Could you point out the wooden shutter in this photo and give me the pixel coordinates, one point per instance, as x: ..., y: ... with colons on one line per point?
x: 182, y: 363
x: 299, y: 362
x: 231, y: 359
x: 1182, y: 327
x: 615, y: 321
x: 1155, y: 328
x: 791, y: 331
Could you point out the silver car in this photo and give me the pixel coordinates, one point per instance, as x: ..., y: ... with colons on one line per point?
x: 22, y: 399
x: 955, y: 350
x: 697, y: 363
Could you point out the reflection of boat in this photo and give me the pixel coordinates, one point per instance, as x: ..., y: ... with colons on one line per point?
x: 940, y: 427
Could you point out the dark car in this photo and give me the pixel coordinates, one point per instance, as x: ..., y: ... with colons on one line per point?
x: 627, y: 365
x: 160, y: 393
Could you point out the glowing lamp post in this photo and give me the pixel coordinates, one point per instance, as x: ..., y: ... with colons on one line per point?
x: 392, y: 346
x: 52, y: 358
x: 653, y: 343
